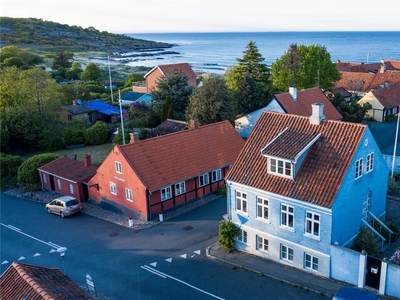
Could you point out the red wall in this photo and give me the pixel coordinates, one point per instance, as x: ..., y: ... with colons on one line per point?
x: 65, y: 186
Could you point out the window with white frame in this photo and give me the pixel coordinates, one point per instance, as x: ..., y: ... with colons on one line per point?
x: 287, y: 215
x: 216, y: 175
x: 203, y: 179
x: 243, y: 236
x: 262, y: 208
x: 280, y: 167
x: 286, y: 253
x: 128, y: 194
x: 241, y: 201
x: 312, y: 224
x: 113, y: 188
x: 310, y: 262
x: 44, y: 178
x: 370, y: 162
x: 262, y: 243
x: 59, y: 184
x: 118, y: 167
x: 180, y: 188
x: 166, y: 193
x: 359, y: 167
x: 71, y: 188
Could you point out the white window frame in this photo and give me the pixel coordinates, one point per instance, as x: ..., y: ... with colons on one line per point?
x: 313, y: 224
x: 287, y: 216
x: 370, y: 162
x: 203, y: 179
x: 216, y: 175
x: 241, y: 202
x: 71, y: 188
x: 311, y: 262
x: 118, y: 167
x: 242, y: 236
x: 166, y: 193
x: 44, y: 178
x: 59, y: 184
x: 287, y: 253
x: 128, y: 194
x: 359, y: 168
x: 263, y: 209
x: 262, y: 243
x: 280, y: 167
x: 113, y: 188
x: 180, y: 188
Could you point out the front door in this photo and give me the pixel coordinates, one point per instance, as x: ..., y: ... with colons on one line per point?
x: 373, y: 276
x: 52, y: 182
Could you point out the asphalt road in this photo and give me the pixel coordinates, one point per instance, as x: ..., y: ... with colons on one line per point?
x: 167, y: 261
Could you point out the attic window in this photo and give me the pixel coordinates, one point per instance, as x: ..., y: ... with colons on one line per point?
x: 362, y: 82
x: 280, y: 167
x: 350, y: 81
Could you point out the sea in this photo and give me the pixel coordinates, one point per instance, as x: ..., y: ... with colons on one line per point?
x: 215, y: 52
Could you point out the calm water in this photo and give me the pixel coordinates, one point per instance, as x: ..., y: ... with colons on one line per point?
x: 216, y: 51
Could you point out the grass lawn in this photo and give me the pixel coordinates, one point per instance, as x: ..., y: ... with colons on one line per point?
x: 98, y: 153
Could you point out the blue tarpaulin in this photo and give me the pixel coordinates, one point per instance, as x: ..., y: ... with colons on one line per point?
x: 102, y: 107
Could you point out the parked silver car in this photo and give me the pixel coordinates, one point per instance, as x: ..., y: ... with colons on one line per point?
x: 64, y: 206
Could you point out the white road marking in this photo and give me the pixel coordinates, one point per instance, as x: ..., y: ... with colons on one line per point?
x: 154, y: 264
x: 193, y: 256
x: 21, y: 258
x: 5, y: 262
x: 183, y: 256
x: 37, y: 254
x: 169, y: 260
x: 161, y: 274
x: 197, y: 252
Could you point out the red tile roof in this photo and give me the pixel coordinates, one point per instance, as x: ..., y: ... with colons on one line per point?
x: 367, y: 68
x: 68, y: 168
x: 391, y: 77
x: 169, y: 126
x: 356, y: 81
x: 323, y: 170
x: 169, y: 69
x: 303, y: 105
x: 388, y: 97
x: 23, y: 281
x: 174, y: 157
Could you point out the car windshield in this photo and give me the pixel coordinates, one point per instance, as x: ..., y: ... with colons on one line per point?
x: 72, y: 202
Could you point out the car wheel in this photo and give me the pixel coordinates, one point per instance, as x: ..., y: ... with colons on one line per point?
x: 49, y: 211
x: 62, y: 215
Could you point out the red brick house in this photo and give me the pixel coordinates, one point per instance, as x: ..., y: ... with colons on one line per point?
x: 166, y: 70
x: 23, y: 281
x: 149, y: 177
x: 67, y: 176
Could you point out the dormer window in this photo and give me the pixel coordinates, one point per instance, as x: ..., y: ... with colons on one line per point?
x: 280, y: 167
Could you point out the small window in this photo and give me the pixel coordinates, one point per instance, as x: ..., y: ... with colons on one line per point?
x: 312, y: 224
x: 180, y: 188
x: 310, y: 262
x: 262, y: 243
x: 216, y: 175
x: 370, y: 162
x: 203, y: 179
x: 280, y: 167
x: 166, y: 193
x: 262, y: 208
x: 128, y: 194
x: 286, y: 253
x: 113, y: 188
x: 243, y: 236
x: 44, y: 178
x: 241, y: 202
x: 71, y: 188
x: 59, y: 184
x: 359, y: 167
x: 287, y: 216
x: 118, y: 167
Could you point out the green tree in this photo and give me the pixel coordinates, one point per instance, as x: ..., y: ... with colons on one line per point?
x: 227, y: 234
x: 315, y: 69
x: 249, y: 97
x: 167, y: 110
x: 10, y: 54
x: 75, y: 72
x: 97, y: 134
x: 9, y: 165
x: 133, y: 78
x: 291, y: 61
x: 350, y: 111
x: 28, y: 174
x: 210, y: 103
x: 176, y: 87
x: 62, y: 59
x: 118, y: 140
x: 74, y: 132
x: 92, y: 73
x: 252, y: 65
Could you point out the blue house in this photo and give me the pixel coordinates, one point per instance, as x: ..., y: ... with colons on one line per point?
x: 302, y: 184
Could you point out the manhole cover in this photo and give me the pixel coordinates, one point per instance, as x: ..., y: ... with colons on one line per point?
x: 113, y: 234
x: 188, y: 228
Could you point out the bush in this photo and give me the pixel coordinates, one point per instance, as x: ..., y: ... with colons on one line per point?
x: 28, y: 174
x: 390, y: 118
x: 227, y: 233
x: 222, y: 190
x: 74, y: 132
x: 97, y: 134
x: 9, y: 169
x: 395, y: 259
x: 365, y: 241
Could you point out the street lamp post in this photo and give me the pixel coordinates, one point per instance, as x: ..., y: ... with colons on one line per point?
x: 62, y: 250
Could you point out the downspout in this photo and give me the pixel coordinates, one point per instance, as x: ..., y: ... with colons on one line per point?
x: 148, y: 204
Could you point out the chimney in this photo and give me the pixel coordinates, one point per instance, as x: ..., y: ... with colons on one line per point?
x: 87, y: 160
x: 317, y: 115
x: 383, y: 66
x: 293, y: 92
x: 194, y: 124
x: 134, y: 137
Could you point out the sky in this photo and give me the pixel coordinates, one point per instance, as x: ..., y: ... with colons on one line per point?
x: 149, y: 16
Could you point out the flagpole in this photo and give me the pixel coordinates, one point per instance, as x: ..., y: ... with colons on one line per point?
x: 109, y: 74
x: 395, y: 141
x: 122, y: 118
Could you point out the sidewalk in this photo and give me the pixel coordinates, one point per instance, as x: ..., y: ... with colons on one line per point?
x: 320, y: 285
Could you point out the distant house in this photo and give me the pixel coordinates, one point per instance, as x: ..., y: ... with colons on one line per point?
x: 24, y: 281
x: 166, y: 70
x: 145, y: 178
x: 169, y: 126
x: 385, y: 102
x: 132, y: 97
x: 77, y: 110
x: 302, y: 184
x: 67, y: 176
x: 294, y: 102
x: 105, y: 112
x: 339, y: 90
